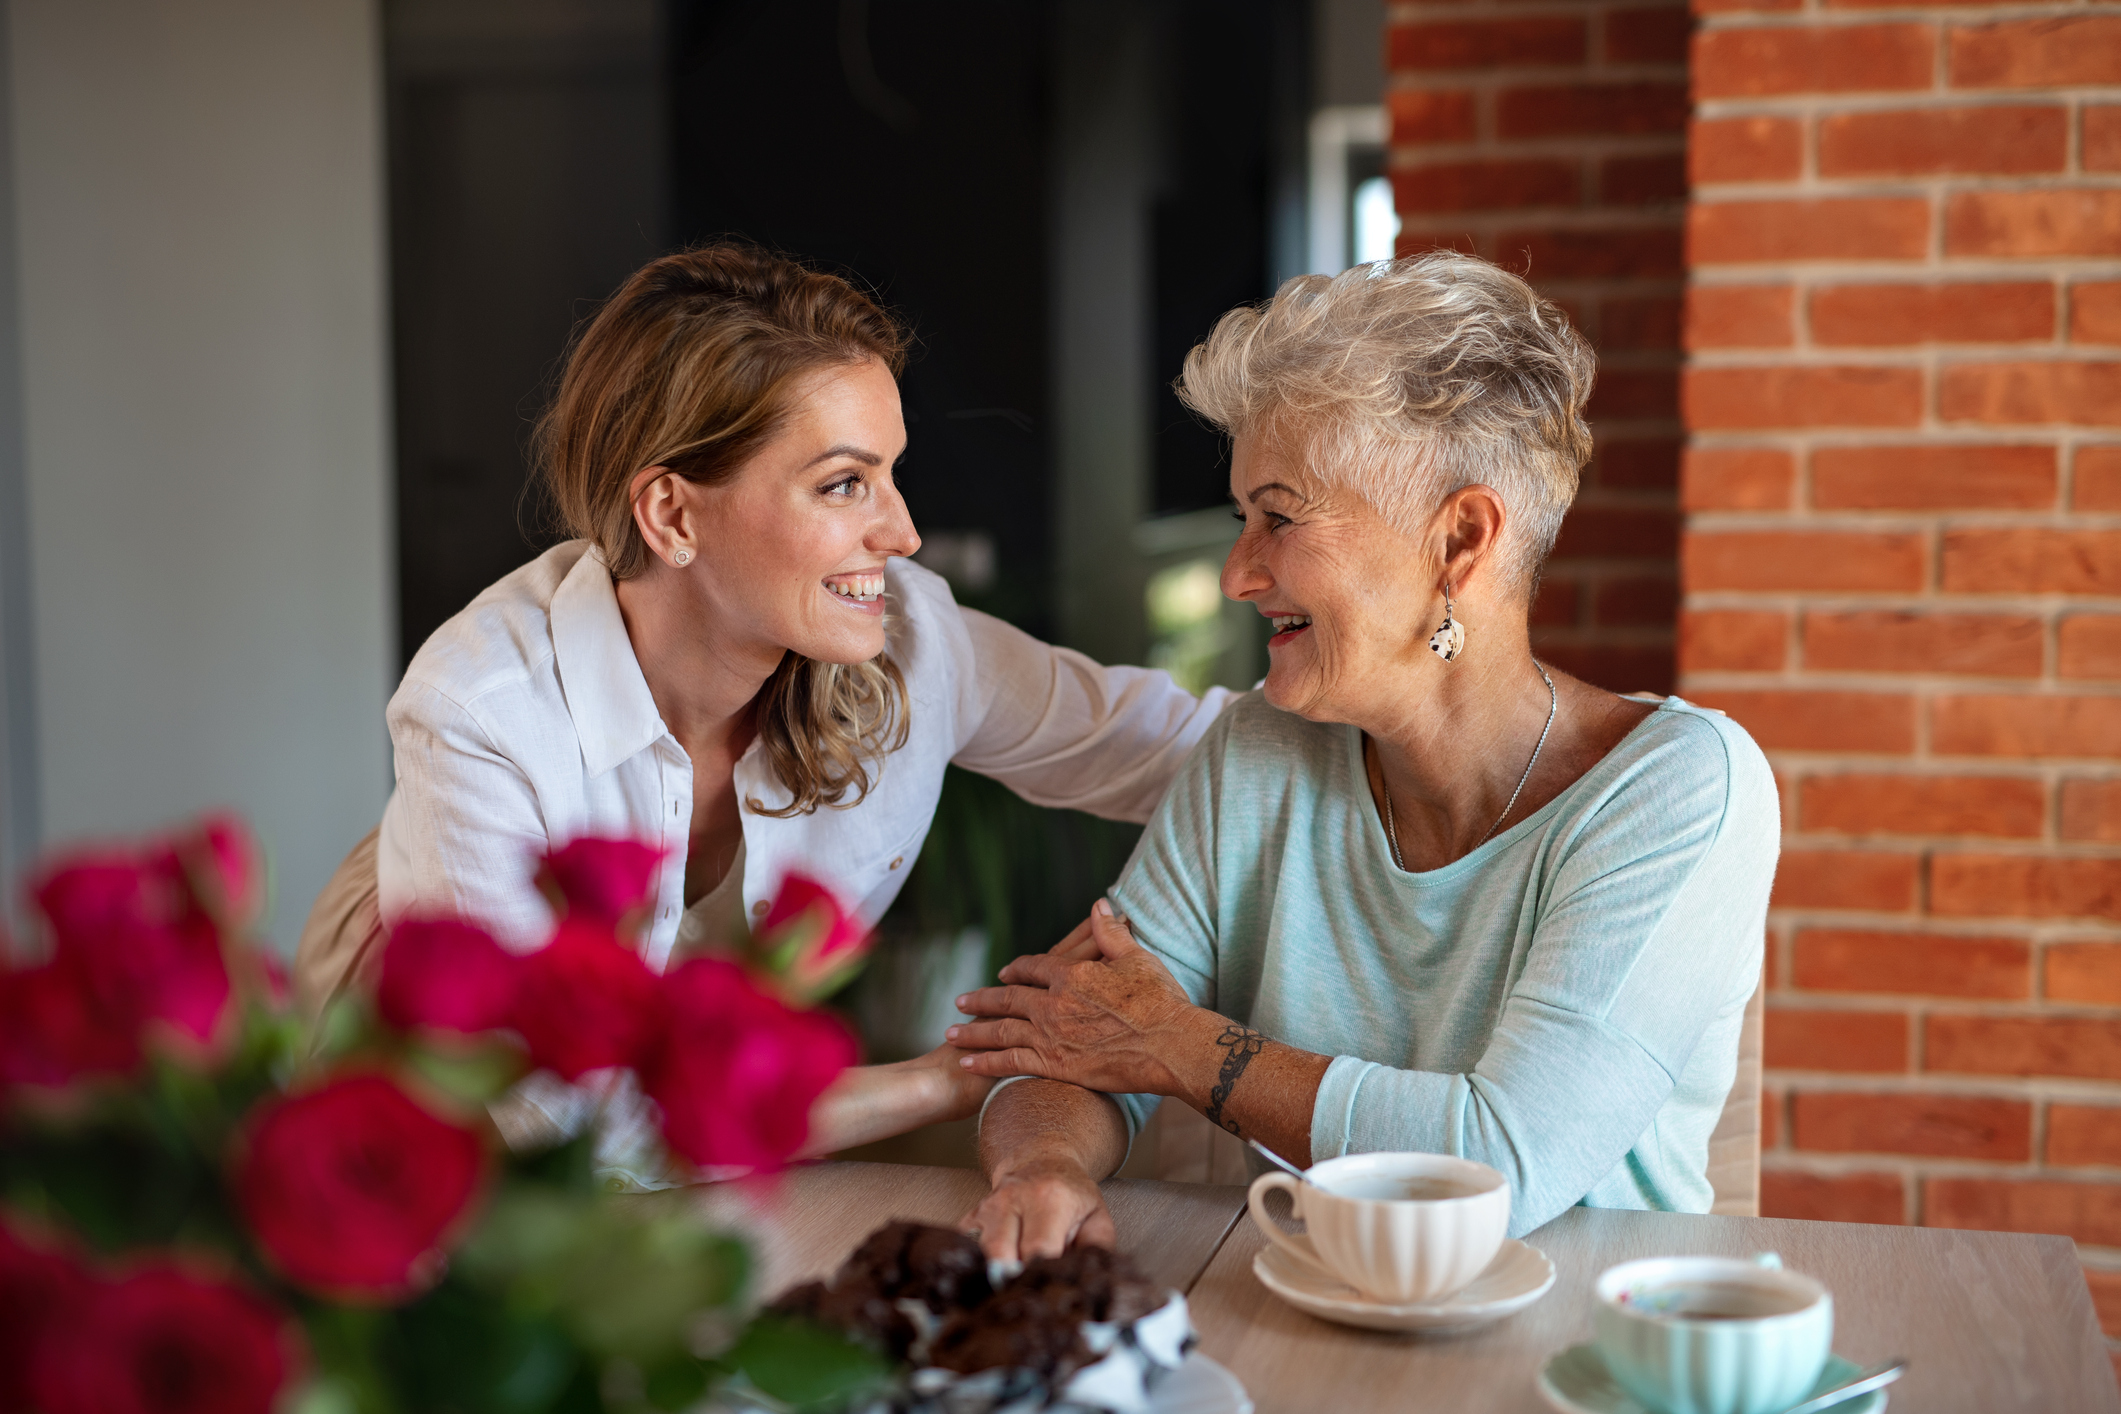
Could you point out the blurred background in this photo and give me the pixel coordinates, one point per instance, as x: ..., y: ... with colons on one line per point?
x: 283, y: 282
x: 291, y: 281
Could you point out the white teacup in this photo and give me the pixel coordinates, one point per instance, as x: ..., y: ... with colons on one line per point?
x: 1399, y: 1228
x: 1713, y: 1335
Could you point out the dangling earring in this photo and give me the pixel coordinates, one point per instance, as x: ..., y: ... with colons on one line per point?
x: 1449, y: 640
x: 682, y: 558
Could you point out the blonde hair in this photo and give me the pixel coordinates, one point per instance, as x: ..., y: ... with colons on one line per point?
x: 692, y: 366
x: 1408, y: 379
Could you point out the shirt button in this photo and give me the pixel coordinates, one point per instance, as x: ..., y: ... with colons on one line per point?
x: 758, y: 909
x: 898, y: 861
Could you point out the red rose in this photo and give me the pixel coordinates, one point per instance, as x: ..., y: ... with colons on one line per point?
x: 809, y: 944
x: 736, y: 1071
x: 164, y: 1342
x: 52, y: 1029
x: 37, y: 1291
x: 601, y: 880
x: 352, y: 1188
x: 90, y: 892
x: 585, y: 1001
x: 127, y: 928
x: 226, y: 870
x: 443, y: 973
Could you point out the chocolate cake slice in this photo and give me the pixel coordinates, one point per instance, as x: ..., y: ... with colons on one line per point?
x: 1084, y: 1331
x: 897, y: 1287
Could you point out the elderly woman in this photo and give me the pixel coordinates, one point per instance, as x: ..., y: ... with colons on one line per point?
x: 1421, y: 893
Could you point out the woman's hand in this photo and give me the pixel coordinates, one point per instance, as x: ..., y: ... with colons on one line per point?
x: 1040, y: 1210
x: 958, y: 1092
x: 872, y: 1102
x: 1110, y: 1024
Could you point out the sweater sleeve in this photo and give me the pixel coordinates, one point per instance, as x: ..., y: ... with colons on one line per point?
x: 1168, y: 891
x: 1061, y: 729
x: 1653, y: 920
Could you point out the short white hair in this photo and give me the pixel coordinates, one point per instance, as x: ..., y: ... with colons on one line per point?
x: 1408, y: 379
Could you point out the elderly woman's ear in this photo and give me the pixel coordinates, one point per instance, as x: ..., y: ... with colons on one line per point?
x: 1468, y: 527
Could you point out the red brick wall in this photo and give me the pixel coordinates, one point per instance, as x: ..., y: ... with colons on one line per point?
x: 1549, y: 137
x: 1902, y: 572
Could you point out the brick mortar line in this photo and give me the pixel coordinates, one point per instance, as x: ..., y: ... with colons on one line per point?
x: 1876, y: 763
x: 1501, y: 76
x: 1399, y: 11
x: 1907, y: 186
x: 1803, y: 838
x: 1955, y: 16
x: 1931, y: 690
x: 1951, y: 269
x: 2075, y: 928
x: 1841, y: 1162
x: 1915, y: 1008
x: 1929, y: 358
x: 1489, y: 223
x: 1827, y: 103
x: 1929, y: 684
x: 1910, y: 522
x: 1805, y: 439
x: 2036, y: 933
x: 1950, y: 1008
x: 1400, y: 156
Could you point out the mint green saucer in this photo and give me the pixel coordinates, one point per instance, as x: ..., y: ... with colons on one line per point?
x: 1576, y: 1381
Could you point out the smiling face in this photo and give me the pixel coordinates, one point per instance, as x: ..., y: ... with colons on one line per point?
x: 790, y: 550
x: 1352, y: 597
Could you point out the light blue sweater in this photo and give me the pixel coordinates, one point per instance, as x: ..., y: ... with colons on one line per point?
x: 1563, y: 1003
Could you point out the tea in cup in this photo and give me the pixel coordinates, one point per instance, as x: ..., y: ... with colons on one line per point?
x: 1400, y: 1228
x: 1713, y: 1335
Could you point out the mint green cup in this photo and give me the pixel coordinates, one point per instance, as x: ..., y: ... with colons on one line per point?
x: 1713, y: 1335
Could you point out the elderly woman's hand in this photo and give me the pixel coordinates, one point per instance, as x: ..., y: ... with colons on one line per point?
x: 1105, y: 1024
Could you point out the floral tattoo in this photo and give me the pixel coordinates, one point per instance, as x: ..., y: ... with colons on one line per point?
x: 1242, y: 1043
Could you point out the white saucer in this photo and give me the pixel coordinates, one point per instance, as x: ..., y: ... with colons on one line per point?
x: 1518, y: 1276
x: 1576, y: 1381
x: 1200, y: 1386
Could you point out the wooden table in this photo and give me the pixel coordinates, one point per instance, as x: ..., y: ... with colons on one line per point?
x: 821, y: 1213
x: 1993, y: 1322
x: 1990, y: 1321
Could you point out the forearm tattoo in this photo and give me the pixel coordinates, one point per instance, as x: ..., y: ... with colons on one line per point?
x: 1242, y: 1043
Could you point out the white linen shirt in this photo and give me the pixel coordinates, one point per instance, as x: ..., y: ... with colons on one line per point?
x: 525, y: 722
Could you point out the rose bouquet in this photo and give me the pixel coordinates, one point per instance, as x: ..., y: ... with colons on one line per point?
x: 207, y: 1207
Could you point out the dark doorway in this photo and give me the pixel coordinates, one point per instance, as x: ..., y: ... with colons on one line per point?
x: 903, y: 144
x: 527, y: 177
x: 539, y: 154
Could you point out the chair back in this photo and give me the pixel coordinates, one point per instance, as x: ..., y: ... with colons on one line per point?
x: 1734, y: 1145
x: 342, y: 943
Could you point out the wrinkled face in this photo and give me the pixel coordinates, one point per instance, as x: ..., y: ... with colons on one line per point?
x: 1352, y: 597
x: 793, y: 546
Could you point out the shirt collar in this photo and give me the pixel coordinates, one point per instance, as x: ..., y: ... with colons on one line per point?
x: 614, y: 713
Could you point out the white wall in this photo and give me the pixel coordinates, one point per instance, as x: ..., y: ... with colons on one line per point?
x: 197, y: 192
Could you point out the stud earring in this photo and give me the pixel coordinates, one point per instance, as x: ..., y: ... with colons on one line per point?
x: 682, y: 558
x: 1449, y: 640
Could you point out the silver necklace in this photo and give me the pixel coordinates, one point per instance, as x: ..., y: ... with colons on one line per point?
x: 1392, y: 826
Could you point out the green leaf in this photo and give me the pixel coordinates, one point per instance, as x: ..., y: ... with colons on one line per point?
x: 805, y: 1366
x: 347, y: 1025
x: 477, y: 1073
x: 677, y: 1383
x: 626, y: 1277
x: 569, y: 1167
x: 464, y: 1350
